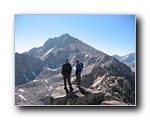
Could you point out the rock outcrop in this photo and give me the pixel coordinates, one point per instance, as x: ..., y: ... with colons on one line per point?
x: 79, y: 96
x: 114, y: 88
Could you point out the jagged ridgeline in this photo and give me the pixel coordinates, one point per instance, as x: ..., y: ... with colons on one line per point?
x: 38, y: 79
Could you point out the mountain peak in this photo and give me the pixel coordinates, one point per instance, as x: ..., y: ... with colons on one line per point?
x: 55, y: 50
x: 66, y: 34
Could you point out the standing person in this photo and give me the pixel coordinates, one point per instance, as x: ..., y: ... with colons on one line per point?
x: 78, y: 73
x: 66, y: 72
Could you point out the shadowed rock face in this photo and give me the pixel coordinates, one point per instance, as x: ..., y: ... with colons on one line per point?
x: 26, y: 68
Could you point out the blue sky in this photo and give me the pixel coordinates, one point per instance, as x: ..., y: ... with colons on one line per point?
x: 112, y: 34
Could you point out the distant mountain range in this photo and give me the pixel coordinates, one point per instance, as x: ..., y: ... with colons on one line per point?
x: 38, y: 71
x: 128, y: 59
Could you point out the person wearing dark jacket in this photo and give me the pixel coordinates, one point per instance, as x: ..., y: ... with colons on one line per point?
x: 78, y: 73
x: 66, y: 72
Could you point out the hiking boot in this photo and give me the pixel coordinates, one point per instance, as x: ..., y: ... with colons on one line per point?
x: 67, y: 91
x: 71, y: 90
x: 65, y: 88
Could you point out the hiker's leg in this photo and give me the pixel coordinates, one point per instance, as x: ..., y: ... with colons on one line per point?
x: 65, y: 84
x: 69, y: 82
x: 78, y: 79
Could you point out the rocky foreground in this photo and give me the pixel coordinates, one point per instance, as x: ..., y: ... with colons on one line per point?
x: 82, y: 96
x: 105, y: 90
x: 79, y: 96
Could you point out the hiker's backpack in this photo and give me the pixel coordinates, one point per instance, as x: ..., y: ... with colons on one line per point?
x: 82, y: 65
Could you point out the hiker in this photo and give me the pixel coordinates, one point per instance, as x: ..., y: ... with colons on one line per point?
x: 66, y: 71
x: 78, y: 73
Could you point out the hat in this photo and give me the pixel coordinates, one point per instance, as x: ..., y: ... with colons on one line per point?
x: 66, y: 59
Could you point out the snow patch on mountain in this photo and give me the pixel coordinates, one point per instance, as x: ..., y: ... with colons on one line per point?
x: 58, y: 66
x: 26, y: 78
x: 36, y: 80
x: 40, y: 49
x: 50, y: 88
x: 73, y: 59
x: 48, y: 52
x: 46, y: 80
x: 33, y: 73
x: 21, y: 90
x: 70, y: 45
x: 66, y: 38
x: 22, y: 97
x: 74, y: 68
x: 86, y: 55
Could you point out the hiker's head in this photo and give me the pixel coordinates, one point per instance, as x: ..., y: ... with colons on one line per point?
x: 77, y: 61
x: 67, y: 61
